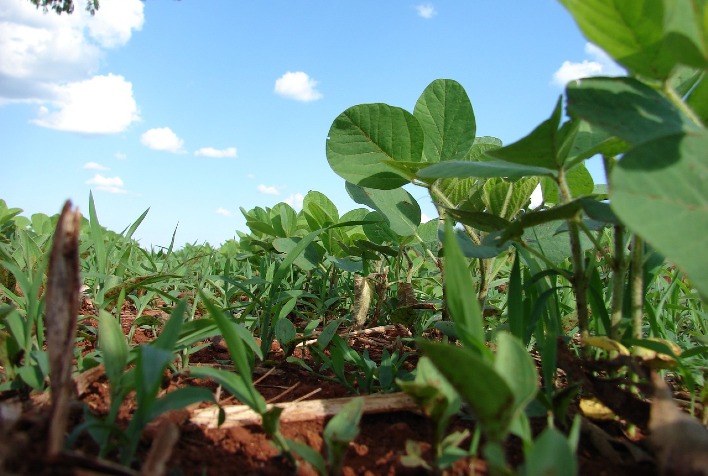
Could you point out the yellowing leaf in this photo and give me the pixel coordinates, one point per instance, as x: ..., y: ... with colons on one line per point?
x: 605, y: 343
x: 595, y: 409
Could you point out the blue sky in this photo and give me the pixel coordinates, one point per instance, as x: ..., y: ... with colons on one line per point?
x: 195, y: 108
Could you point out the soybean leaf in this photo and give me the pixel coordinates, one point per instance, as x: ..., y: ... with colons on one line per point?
x: 319, y: 210
x: 307, y: 260
x: 285, y: 331
x: 284, y: 266
x: 631, y: 32
x: 579, y: 182
x: 491, y: 168
x: 659, y: 191
x: 445, y: 113
x: 551, y: 453
x: 344, y: 426
x: 363, y: 137
x: 397, y: 206
x: 552, y: 241
x: 538, y: 149
x: 480, y: 220
x: 697, y: 100
x: 505, y: 198
x: 284, y: 220
x: 626, y: 108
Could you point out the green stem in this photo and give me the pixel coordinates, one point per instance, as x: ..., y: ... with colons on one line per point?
x: 677, y: 101
x: 637, y: 286
x: 484, y: 264
x: 580, y: 281
x: 618, y: 274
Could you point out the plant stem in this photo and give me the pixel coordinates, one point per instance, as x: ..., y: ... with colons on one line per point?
x: 580, y: 280
x: 484, y: 264
x: 677, y: 101
x: 637, y: 286
x: 618, y: 273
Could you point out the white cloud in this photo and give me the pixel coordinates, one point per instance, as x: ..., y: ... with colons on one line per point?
x: 268, y: 189
x: 100, y: 105
x: 600, y: 64
x: 295, y: 200
x: 424, y: 218
x: 107, y: 184
x: 217, y: 153
x: 94, y: 166
x: 224, y: 212
x: 42, y: 53
x: 162, y: 138
x: 114, y: 22
x: 298, y: 86
x: 426, y: 10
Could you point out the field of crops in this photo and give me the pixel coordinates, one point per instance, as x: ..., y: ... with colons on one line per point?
x: 569, y: 338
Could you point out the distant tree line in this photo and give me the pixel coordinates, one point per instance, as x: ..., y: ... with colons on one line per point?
x: 64, y: 6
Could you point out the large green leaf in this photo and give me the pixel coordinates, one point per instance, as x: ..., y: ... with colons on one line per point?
x: 649, y: 37
x: 579, y: 182
x: 398, y: 207
x: 550, y: 454
x: 698, y: 99
x: 505, y: 198
x: 284, y: 220
x: 482, y: 221
x: 445, y: 113
x: 492, y: 168
x: 552, y: 240
x: 319, y: 210
x: 363, y: 137
x: 308, y: 260
x: 659, y: 190
x: 539, y: 148
x: 626, y: 108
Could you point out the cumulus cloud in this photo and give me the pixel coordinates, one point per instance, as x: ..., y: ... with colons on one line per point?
x: 224, y: 212
x: 94, y: 166
x: 44, y: 56
x: 100, y: 105
x: 107, y: 184
x: 162, y: 138
x: 426, y: 10
x: 268, y: 189
x: 599, y: 64
x: 217, y: 153
x: 298, y: 86
x: 295, y: 200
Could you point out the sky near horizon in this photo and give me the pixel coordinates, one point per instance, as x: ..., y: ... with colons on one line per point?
x: 195, y: 109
